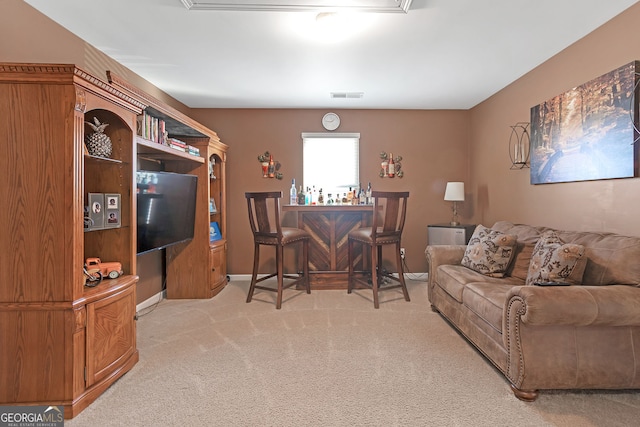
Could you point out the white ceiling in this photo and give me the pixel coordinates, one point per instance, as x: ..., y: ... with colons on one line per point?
x: 442, y: 54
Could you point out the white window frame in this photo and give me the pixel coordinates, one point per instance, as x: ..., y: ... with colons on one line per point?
x: 326, y: 166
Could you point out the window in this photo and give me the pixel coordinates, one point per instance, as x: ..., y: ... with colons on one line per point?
x: 331, y: 161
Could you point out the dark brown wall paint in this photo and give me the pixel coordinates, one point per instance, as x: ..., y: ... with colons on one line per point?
x: 433, y: 144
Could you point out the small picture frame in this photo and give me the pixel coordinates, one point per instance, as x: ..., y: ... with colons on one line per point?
x: 112, y: 201
x: 112, y: 219
x: 212, y: 206
x: 214, y: 232
x: 95, y: 203
x: 112, y: 210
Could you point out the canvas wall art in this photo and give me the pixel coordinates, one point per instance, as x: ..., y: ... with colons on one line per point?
x: 588, y: 132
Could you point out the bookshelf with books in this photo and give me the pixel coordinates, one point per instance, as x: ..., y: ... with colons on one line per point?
x: 197, y: 268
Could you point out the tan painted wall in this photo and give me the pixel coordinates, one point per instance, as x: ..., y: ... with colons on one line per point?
x: 433, y: 145
x: 605, y: 205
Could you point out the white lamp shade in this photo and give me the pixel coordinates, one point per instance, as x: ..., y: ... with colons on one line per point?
x: 454, y: 192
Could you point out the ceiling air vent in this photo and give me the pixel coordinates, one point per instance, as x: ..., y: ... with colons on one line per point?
x: 347, y: 95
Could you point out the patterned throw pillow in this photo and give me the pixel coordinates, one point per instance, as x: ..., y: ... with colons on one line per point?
x: 489, y: 251
x: 555, y: 261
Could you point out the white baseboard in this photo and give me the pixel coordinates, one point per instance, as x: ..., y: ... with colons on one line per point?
x: 416, y: 277
x: 151, y: 301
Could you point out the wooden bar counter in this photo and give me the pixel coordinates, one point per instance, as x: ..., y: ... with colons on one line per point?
x: 329, y: 226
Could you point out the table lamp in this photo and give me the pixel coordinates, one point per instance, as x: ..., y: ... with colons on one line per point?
x: 454, y: 193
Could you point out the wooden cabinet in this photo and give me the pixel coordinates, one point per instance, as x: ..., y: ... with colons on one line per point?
x: 197, y: 268
x: 111, y: 333
x: 218, y: 265
x: 62, y: 342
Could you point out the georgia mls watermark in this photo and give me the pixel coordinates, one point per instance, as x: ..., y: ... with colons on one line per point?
x: 31, y: 416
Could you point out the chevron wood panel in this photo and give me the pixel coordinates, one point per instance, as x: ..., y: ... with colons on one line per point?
x: 320, y: 227
x: 329, y: 227
x: 345, y: 223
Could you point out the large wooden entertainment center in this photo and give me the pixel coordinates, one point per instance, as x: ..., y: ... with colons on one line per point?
x: 61, y: 342
x: 197, y: 269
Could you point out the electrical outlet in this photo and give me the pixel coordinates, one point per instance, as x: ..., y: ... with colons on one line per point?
x: 402, y: 253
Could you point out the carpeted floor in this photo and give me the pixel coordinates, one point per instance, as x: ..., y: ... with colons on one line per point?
x: 325, y: 359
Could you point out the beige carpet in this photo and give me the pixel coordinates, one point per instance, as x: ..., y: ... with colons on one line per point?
x: 325, y: 359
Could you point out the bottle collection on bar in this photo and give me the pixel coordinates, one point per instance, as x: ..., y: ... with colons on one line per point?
x: 311, y: 196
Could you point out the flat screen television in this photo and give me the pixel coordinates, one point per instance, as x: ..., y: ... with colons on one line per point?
x: 166, y: 209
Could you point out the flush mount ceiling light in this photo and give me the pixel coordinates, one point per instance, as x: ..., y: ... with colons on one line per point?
x: 379, y: 6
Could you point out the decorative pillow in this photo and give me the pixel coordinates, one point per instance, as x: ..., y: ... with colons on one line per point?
x: 489, y: 251
x: 555, y: 261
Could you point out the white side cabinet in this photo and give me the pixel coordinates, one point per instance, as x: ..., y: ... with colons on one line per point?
x: 447, y: 234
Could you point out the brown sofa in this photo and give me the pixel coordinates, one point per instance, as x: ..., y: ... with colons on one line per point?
x: 562, y: 337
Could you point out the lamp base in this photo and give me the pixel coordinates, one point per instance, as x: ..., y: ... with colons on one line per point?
x: 454, y: 223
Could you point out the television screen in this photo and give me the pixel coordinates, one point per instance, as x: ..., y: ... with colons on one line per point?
x: 166, y: 209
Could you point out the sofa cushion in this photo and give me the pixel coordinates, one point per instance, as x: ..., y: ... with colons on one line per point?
x: 556, y: 261
x: 519, y: 267
x: 489, y: 251
x: 612, y: 259
x: 487, y: 300
x: 527, y: 237
x: 453, y: 279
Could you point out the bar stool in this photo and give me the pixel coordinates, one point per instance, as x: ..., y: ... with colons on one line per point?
x: 267, y: 230
x: 389, y: 210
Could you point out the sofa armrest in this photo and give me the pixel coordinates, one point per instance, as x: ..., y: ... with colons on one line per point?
x: 438, y: 255
x: 550, y: 342
x: 614, y: 305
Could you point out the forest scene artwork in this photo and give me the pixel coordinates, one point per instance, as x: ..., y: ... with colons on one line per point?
x: 588, y: 132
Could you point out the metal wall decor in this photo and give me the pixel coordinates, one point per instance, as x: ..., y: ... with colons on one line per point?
x: 270, y: 167
x: 390, y: 166
x: 519, y: 142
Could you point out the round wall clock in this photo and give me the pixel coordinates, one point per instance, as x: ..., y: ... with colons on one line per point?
x: 331, y: 121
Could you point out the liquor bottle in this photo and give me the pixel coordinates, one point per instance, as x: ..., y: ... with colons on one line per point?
x: 350, y: 196
x: 320, y: 197
x: 368, y: 194
x: 293, y: 194
x: 344, y: 199
x: 307, y: 200
x: 314, y: 196
x: 272, y: 167
x: 363, y: 197
x: 392, y: 166
x: 301, y: 197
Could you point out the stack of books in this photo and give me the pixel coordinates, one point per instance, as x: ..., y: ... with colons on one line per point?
x: 194, y: 151
x: 177, y: 144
